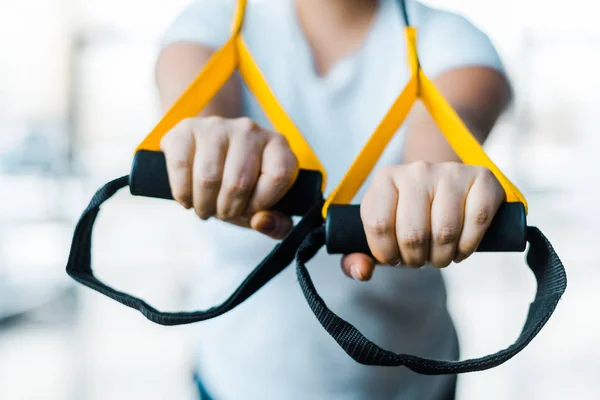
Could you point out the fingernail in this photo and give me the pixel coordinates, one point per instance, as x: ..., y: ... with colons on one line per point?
x: 268, y: 225
x: 356, y: 274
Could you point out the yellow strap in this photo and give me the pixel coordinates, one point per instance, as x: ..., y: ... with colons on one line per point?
x: 369, y: 155
x: 206, y: 85
x: 238, y: 19
x: 282, y: 123
x: 234, y: 54
x: 457, y: 134
x: 410, y: 35
x: 460, y: 139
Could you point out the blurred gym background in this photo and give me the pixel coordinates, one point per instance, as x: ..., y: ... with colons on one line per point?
x: 77, y: 94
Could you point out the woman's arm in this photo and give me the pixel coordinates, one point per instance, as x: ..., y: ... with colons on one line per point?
x: 435, y: 212
x: 177, y: 66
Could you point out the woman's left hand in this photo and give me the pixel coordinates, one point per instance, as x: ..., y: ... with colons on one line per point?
x: 423, y: 213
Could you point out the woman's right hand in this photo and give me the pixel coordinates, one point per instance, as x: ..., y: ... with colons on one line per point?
x: 231, y: 169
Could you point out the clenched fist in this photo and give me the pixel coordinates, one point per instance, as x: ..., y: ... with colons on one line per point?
x: 231, y: 169
x: 424, y: 213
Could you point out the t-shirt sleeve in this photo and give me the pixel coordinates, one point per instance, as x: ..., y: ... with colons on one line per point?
x: 448, y: 41
x: 205, y: 22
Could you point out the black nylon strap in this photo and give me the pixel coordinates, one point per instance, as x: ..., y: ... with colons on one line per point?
x: 79, y: 263
x: 543, y: 261
x: 551, y: 284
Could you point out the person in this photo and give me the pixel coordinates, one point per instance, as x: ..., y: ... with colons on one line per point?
x: 336, y: 66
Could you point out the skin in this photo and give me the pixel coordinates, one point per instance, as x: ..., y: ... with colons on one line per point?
x: 430, y: 210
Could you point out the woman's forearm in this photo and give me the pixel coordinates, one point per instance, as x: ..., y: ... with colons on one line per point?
x: 178, y: 65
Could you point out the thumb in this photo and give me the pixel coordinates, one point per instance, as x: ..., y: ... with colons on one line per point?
x: 272, y: 224
x: 358, y: 266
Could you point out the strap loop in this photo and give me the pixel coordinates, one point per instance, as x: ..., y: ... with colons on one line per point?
x: 79, y: 265
x: 308, y: 238
x: 551, y: 284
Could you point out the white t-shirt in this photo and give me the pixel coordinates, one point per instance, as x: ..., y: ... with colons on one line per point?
x: 271, y: 346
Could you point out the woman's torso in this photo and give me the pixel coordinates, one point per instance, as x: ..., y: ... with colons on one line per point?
x: 272, y: 347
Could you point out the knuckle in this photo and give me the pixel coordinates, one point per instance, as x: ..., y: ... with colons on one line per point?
x: 384, y: 174
x: 378, y: 227
x: 420, y: 168
x: 280, y: 143
x: 281, y: 175
x: 286, y: 163
x: 292, y: 162
x: 186, y: 125
x: 446, y: 235
x: 454, y: 170
x: 182, y: 129
x: 483, y: 216
x: 489, y: 179
x: 179, y: 164
x: 207, y: 125
x: 245, y: 125
x: 241, y: 185
x: 165, y: 142
x: 211, y: 121
x: 451, y: 173
x: 209, y: 180
x: 454, y: 166
x: 485, y: 173
x: 414, y: 239
x: 280, y: 140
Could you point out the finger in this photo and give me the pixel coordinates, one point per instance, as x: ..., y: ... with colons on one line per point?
x: 378, y: 213
x: 358, y: 266
x: 272, y: 224
x: 242, y: 221
x: 178, y: 147
x: 209, y: 161
x: 278, y: 172
x: 413, y: 227
x: 242, y: 168
x: 484, y: 198
x: 447, y: 211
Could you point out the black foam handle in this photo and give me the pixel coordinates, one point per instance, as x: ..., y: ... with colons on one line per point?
x: 345, y: 234
x: 149, y: 178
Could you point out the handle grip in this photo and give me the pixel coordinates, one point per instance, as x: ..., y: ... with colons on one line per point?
x: 344, y: 232
x: 149, y: 178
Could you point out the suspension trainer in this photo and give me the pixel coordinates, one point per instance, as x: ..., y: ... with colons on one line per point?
x: 330, y: 221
